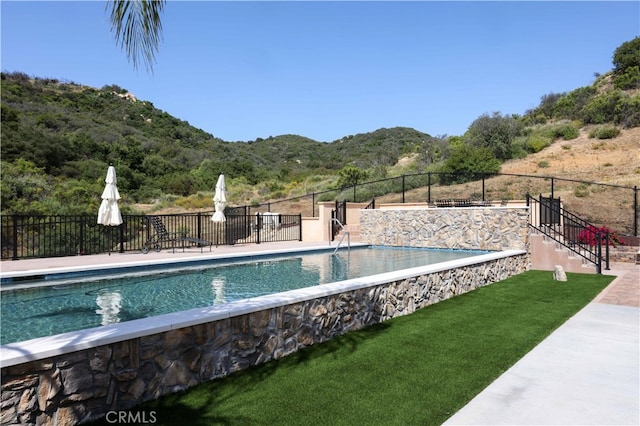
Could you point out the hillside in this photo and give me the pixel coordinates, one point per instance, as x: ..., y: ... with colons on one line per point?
x: 58, y: 137
x: 614, y: 161
x: 69, y: 133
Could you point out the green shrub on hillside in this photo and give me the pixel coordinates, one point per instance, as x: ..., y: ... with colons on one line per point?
x: 539, y: 137
x: 571, y: 105
x: 628, y: 111
x: 545, y: 110
x: 602, y: 108
x: 465, y: 163
x: 537, y: 142
x: 566, y: 131
x: 604, y: 132
x: 495, y: 132
x: 629, y: 80
x: 196, y: 201
x: 581, y: 191
x: 351, y: 175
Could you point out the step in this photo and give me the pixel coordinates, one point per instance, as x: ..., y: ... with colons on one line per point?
x: 547, y: 253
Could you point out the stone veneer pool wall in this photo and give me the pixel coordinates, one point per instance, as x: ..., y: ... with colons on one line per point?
x: 80, y: 376
x: 475, y: 228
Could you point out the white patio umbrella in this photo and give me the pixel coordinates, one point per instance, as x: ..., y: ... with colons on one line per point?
x: 220, y: 200
x: 109, y: 212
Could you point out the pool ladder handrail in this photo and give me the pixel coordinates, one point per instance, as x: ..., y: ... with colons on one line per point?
x: 346, y: 233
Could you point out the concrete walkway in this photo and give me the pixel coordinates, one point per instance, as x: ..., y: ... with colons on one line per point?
x: 585, y: 373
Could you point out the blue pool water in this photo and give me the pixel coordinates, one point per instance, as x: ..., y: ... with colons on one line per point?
x: 68, y: 305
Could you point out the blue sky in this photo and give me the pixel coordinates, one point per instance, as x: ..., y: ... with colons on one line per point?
x: 324, y: 70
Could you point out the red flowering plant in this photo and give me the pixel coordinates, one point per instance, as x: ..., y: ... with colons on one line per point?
x: 589, y: 236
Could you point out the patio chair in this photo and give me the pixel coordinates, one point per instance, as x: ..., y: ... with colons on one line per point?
x: 162, y: 235
x: 444, y: 203
x: 462, y: 202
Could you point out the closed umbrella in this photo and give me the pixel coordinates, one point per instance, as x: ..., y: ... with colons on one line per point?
x: 109, y: 212
x: 220, y: 200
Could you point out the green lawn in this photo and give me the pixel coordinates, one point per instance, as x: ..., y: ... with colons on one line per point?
x: 413, y: 370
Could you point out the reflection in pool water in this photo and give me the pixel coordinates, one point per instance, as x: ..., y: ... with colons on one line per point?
x: 94, y: 301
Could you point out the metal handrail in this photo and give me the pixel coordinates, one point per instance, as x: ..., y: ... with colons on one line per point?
x: 566, y: 229
x: 346, y: 233
x: 371, y: 205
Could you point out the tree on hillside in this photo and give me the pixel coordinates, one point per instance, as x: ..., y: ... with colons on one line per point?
x: 350, y: 176
x: 467, y: 163
x: 626, y: 62
x: 494, y: 132
x: 545, y: 110
x: 627, y: 55
x: 137, y: 28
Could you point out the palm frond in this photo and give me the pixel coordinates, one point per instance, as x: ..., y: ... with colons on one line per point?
x: 137, y: 28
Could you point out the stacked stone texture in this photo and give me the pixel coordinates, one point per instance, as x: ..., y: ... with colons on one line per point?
x: 491, y: 228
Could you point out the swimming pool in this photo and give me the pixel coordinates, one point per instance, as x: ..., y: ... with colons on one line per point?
x: 47, y: 307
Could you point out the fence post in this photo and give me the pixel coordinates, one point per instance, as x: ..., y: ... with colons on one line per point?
x: 313, y: 204
x: 81, y: 248
x: 402, y: 188
x: 606, y: 256
x: 15, y: 236
x: 483, y: 187
x: 300, y: 227
x: 121, y: 226
x: 599, y: 242
x: 635, y: 210
x: 551, y: 187
x: 258, y: 227
x: 199, y: 226
x: 428, y: 187
x: 354, y: 193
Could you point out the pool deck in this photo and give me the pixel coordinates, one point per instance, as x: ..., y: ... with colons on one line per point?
x: 52, y: 265
x: 585, y: 372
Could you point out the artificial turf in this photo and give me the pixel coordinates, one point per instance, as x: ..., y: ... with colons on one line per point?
x: 417, y: 369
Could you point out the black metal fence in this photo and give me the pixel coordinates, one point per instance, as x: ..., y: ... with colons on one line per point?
x: 66, y: 235
x: 615, y: 206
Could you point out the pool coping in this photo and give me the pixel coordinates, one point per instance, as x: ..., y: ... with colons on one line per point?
x: 44, y: 347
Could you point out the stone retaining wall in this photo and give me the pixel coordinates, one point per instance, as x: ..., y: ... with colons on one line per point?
x: 627, y: 254
x: 87, y: 384
x: 475, y: 228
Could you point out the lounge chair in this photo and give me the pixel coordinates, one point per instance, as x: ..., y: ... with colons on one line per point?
x: 162, y: 235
